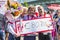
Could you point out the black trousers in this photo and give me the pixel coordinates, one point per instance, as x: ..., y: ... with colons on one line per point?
x: 12, y: 37
x: 43, y: 37
x: 29, y: 37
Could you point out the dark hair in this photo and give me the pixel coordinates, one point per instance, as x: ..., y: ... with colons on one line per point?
x: 48, y: 12
x: 31, y: 7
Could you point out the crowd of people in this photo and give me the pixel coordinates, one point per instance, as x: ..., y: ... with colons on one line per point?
x: 15, y: 13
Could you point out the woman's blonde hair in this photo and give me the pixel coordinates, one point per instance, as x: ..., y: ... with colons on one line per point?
x: 25, y: 8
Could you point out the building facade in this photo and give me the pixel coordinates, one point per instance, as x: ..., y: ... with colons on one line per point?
x: 35, y: 2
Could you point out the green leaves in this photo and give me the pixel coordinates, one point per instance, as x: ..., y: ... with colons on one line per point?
x: 25, y: 4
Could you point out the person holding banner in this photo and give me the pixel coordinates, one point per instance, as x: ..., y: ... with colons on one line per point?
x: 56, y: 18
x: 30, y: 16
x: 41, y: 13
x: 52, y: 12
x: 11, y: 8
x: 24, y: 13
x: 13, y: 27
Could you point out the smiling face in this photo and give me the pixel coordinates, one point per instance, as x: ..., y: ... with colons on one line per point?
x: 39, y: 10
x: 25, y: 10
x: 31, y: 10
